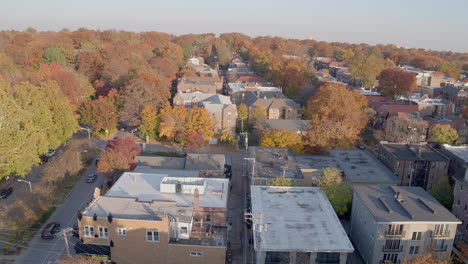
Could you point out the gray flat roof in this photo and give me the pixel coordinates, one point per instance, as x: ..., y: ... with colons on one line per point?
x: 147, y: 187
x: 361, y: 166
x: 196, y: 161
x: 285, y: 124
x: 413, y: 152
x: 416, y: 204
x: 298, y: 219
x: 271, y: 161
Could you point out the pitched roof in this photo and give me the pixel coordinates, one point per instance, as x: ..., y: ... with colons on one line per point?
x: 413, y: 204
x: 205, y: 97
x: 394, y: 108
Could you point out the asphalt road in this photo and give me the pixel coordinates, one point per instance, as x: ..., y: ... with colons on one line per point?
x: 42, y: 251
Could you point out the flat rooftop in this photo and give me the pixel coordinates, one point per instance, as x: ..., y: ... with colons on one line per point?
x: 149, y: 186
x: 298, y: 219
x: 361, y: 166
x: 270, y: 163
x: 414, y: 204
x: 459, y: 151
x: 413, y: 152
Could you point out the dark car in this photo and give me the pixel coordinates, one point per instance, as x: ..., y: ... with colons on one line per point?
x: 5, y: 192
x: 75, y: 231
x: 91, y: 178
x: 51, y: 230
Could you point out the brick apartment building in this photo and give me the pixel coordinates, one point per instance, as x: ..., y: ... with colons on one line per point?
x: 154, y: 217
x: 212, y: 84
x: 415, y: 164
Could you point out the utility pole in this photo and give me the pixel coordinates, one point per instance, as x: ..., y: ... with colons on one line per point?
x: 259, y: 227
x: 64, y: 233
x: 246, y: 140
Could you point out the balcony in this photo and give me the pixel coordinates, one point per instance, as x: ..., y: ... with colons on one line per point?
x: 395, y: 234
x: 390, y: 262
x: 445, y: 233
x: 389, y: 249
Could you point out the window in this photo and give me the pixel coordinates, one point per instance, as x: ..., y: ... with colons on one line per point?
x: 433, y: 164
x: 89, y: 231
x: 394, y: 230
x: 398, y: 164
x: 416, y: 236
x: 413, y: 250
x: 208, y: 218
x: 103, y: 232
x: 122, y: 232
x: 392, y: 244
x: 391, y: 257
x: 196, y: 254
x: 458, y: 202
x: 441, y: 229
x: 183, y: 230
x: 152, y: 236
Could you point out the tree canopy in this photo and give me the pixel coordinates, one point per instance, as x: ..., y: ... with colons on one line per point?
x: 338, y: 192
x: 443, y: 192
x: 394, y: 82
x: 282, y: 138
x: 443, y: 134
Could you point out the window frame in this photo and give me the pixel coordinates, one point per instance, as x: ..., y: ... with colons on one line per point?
x: 196, y: 254
x: 122, y: 232
x: 153, y: 232
x: 89, y: 231
x: 103, y: 232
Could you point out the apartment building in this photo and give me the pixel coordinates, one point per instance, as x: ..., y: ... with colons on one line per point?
x: 434, y: 107
x: 156, y: 217
x: 458, y: 171
x: 296, y: 225
x: 205, y: 84
x: 457, y: 96
x: 223, y: 111
x: 392, y: 223
x: 275, y: 104
x: 415, y: 164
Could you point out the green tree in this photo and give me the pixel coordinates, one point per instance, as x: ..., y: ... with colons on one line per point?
x: 282, y: 138
x: 366, y: 67
x: 443, y: 134
x: 54, y: 54
x: 280, y: 181
x: 338, y: 192
x: 443, y: 192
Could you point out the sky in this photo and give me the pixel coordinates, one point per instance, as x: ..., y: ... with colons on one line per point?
x: 430, y: 24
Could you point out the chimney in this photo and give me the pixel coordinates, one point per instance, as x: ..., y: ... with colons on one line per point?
x: 196, y: 199
x: 399, y: 197
x: 97, y: 192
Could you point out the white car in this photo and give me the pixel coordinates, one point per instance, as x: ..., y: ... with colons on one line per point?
x: 50, y: 153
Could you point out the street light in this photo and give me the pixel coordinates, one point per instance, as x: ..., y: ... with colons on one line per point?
x: 28, y: 182
x: 89, y: 132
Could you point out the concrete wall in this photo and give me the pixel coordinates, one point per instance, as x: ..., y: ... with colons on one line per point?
x: 460, y: 206
x: 363, y: 230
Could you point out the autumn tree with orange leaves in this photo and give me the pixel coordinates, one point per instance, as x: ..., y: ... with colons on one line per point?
x: 337, y: 116
x: 394, y: 82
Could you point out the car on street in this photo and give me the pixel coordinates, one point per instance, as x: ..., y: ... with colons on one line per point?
x: 50, y: 153
x: 5, y: 192
x: 91, y: 178
x: 51, y: 230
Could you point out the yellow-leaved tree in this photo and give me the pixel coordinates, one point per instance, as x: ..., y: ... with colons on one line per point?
x: 282, y: 138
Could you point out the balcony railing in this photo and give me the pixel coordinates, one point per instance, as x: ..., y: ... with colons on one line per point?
x: 390, y: 262
x: 395, y: 233
x: 441, y: 234
x: 390, y: 249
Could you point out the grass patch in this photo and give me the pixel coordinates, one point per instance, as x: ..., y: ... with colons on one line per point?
x: 45, y: 216
x: 163, y: 154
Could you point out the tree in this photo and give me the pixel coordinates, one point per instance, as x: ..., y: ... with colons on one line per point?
x: 338, y: 192
x: 258, y: 114
x: 55, y: 54
x: 443, y: 193
x: 394, y: 82
x: 403, y: 130
x: 337, y: 116
x: 280, y: 181
x: 330, y: 175
x: 126, y: 146
x: 112, y: 163
x: 145, y: 89
x: 366, y: 68
x: 199, y: 120
x: 173, y: 122
x: 443, y: 134
x: 227, y: 136
x: 149, y: 121
x: 282, y: 138
x: 194, y: 140
x: 101, y: 114
x: 425, y: 259
x: 242, y: 114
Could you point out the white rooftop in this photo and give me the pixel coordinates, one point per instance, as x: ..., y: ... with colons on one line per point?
x: 147, y: 187
x: 459, y: 151
x: 298, y: 219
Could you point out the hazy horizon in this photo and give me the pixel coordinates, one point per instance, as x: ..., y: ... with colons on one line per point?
x: 412, y: 24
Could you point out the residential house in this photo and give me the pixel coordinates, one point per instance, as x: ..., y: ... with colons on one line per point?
x: 457, y: 96
x: 212, y: 84
x: 434, y: 107
x: 296, y: 225
x: 275, y: 104
x: 415, y: 164
x: 155, y: 216
x: 390, y: 224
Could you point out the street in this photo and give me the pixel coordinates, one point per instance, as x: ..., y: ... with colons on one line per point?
x: 42, y: 251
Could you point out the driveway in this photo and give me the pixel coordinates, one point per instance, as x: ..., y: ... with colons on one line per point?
x: 41, y: 251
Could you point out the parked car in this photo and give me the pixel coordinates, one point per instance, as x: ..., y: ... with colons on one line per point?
x: 50, y: 153
x: 91, y: 177
x: 5, y: 192
x: 51, y: 230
